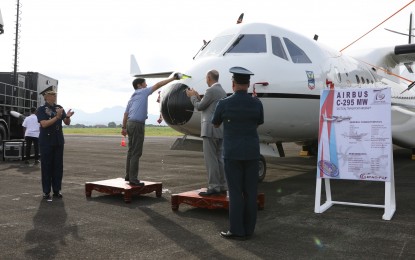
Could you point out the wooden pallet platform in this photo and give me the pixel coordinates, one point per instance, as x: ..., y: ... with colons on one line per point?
x: 193, y: 198
x: 120, y: 186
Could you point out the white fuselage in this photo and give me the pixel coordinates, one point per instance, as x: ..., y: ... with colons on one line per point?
x: 289, y: 84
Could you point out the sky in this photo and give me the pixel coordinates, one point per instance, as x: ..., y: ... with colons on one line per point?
x: 86, y: 44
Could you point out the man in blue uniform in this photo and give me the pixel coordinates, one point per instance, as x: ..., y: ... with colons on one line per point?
x: 51, y: 142
x: 133, y: 124
x: 240, y: 114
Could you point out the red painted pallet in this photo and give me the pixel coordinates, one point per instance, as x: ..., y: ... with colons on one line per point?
x: 193, y: 198
x: 120, y: 186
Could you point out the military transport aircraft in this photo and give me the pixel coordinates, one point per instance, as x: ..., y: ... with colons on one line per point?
x: 290, y: 71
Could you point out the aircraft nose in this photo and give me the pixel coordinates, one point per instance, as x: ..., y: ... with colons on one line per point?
x: 176, y: 107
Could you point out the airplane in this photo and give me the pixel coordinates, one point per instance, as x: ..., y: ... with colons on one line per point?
x: 290, y: 70
x: 334, y: 118
x: 355, y: 135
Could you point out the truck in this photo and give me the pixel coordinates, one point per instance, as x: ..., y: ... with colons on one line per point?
x: 16, y: 100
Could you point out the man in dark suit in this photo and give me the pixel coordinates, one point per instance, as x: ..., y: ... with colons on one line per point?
x: 212, y: 136
x: 240, y: 114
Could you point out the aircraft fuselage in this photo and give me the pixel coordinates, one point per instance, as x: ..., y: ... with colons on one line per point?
x: 290, y: 71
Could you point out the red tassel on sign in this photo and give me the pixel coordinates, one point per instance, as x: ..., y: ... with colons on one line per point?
x: 123, y: 141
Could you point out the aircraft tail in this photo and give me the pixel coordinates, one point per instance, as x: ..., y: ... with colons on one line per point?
x: 134, y: 68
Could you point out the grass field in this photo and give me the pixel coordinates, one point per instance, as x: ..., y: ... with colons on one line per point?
x: 150, y: 131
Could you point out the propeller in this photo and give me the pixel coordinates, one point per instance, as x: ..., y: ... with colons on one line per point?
x: 410, y: 36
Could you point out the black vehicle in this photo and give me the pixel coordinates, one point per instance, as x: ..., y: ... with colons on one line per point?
x: 16, y: 101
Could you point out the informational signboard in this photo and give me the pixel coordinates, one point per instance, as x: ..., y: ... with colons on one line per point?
x: 355, y: 140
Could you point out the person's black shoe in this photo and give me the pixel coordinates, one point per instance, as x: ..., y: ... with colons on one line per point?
x: 229, y: 235
x: 126, y: 179
x: 137, y: 183
x: 57, y: 195
x: 46, y: 196
x: 223, y: 192
x: 209, y: 192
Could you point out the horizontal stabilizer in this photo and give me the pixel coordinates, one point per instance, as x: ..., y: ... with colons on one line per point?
x: 154, y: 75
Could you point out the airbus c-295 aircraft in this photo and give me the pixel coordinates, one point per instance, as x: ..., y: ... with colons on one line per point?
x: 290, y: 71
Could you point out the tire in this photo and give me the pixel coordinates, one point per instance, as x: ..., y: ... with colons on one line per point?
x: 2, y: 137
x: 262, y: 169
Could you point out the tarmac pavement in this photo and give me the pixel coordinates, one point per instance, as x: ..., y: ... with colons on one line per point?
x: 105, y: 227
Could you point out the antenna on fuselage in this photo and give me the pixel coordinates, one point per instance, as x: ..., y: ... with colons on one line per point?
x: 241, y: 17
x: 315, y: 37
x: 410, y: 29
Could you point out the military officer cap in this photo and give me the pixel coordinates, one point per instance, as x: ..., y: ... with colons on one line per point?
x: 49, y: 90
x: 241, y: 75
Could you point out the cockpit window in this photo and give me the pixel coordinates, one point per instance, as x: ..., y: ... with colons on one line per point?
x: 216, y: 46
x: 249, y: 43
x: 277, y: 48
x: 296, y: 53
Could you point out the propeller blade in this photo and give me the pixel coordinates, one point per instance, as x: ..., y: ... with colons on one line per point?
x: 406, y: 34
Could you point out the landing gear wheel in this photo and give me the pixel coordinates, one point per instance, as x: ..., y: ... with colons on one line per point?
x: 262, y: 168
x: 2, y: 137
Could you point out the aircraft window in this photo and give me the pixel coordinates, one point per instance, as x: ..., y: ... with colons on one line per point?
x: 249, y: 43
x: 297, y: 54
x: 367, y: 81
x: 357, y: 79
x: 216, y: 46
x: 363, y: 80
x: 277, y: 48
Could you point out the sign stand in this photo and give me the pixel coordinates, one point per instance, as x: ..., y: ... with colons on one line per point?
x: 389, y: 206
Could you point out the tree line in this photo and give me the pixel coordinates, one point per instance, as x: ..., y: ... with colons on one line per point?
x: 109, y: 125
